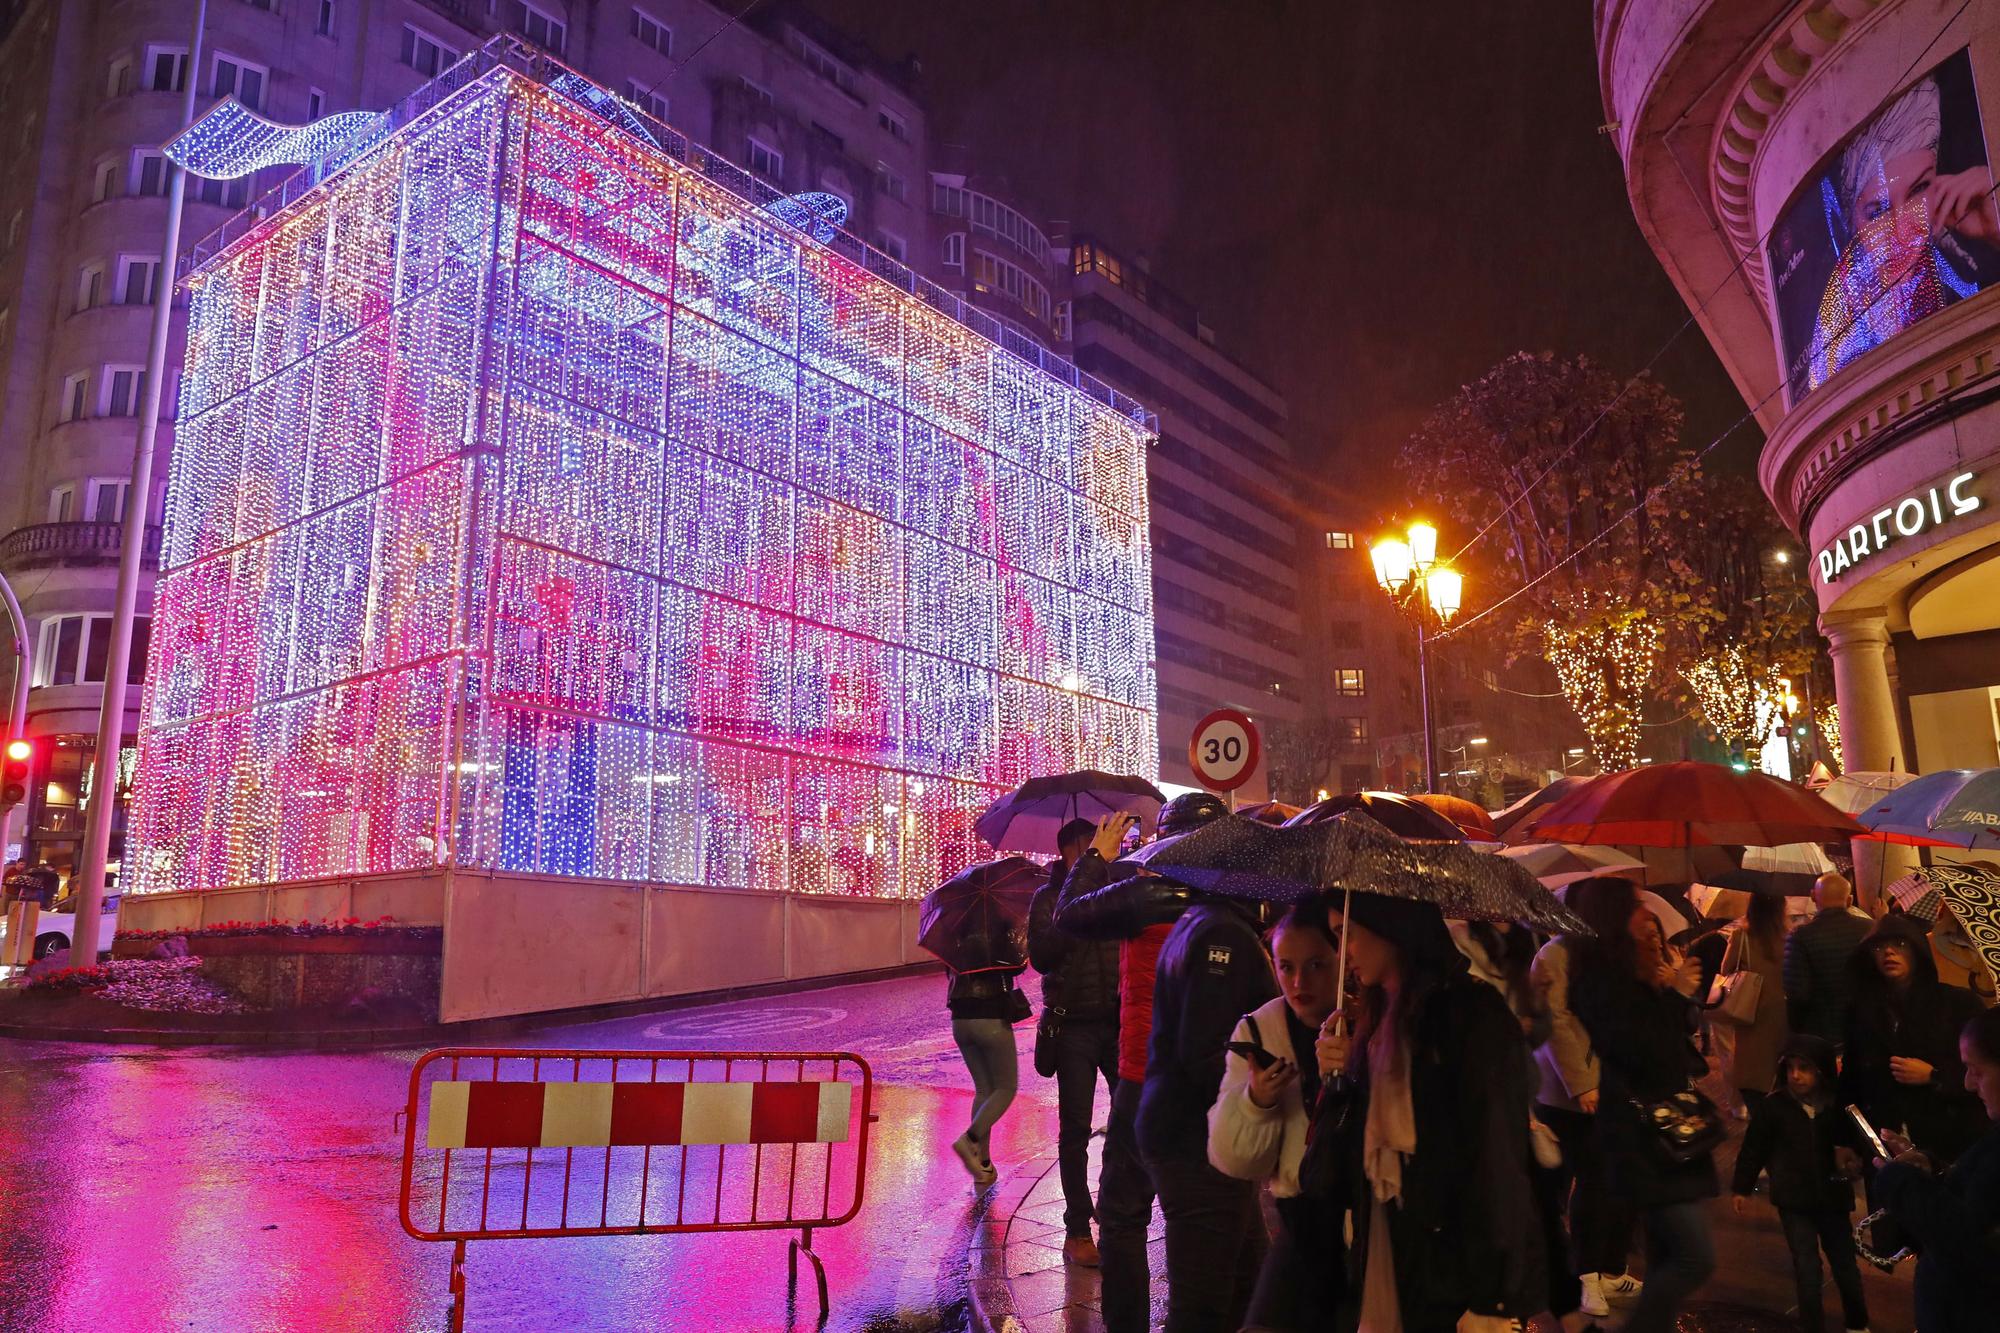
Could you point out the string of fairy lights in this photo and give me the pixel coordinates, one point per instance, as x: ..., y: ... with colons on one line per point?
x: 1604, y: 660
x: 1741, y: 698
x: 539, y: 504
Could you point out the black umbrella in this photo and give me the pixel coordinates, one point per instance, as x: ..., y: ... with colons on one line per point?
x: 1028, y: 818
x: 977, y: 921
x: 1397, y: 813
x: 1242, y: 858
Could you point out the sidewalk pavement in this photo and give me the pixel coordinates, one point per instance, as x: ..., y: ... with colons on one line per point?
x: 1015, y: 1272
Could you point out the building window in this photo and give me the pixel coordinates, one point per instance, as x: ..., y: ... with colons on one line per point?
x: 1062, y: 321
x: 763, y: 159
x: 650, y: 32
x: 149, y: 173
x: 324, y: 26
x: 166, y: 68
x: 1351, y: 730
x: 756, y: 92
x: 889, y: 183
x: 892, y: 245
x: 954, y: 250
x: 138, y: 280
x: 122, y: 388
x: 75, y: 398
x: 118, y: 78
x: 1343, y: 634
x: 90, y: 287
x: 315, y: 104
x: 424, y: 53
x: 105, y: 183
x: 240, y: 79
x: 106, y: 498
x: 62, y: 503
x: 1339, y: 541
x: 73, y: 650
x: 223, y: 194
x: 997, y: 275
x: 1350, y: 682
x: 642, y: 96
x: 823, y: 64
x: 897, y: 127
x: 539, y: 26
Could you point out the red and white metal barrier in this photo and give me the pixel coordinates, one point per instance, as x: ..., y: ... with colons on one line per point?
x: 522, y: 1144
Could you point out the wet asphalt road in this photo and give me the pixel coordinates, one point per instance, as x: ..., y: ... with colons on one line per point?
x: 213, y: 1189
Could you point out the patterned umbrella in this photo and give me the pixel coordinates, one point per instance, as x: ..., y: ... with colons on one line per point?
x: 977, y: 921
x: 1690, y: 804
x: 1974, y: 895
x: 1938, y: 810
x: 1914, y: 894
x: 1028, y: 818
x: 1401, y: 815
x: 1239, y: 857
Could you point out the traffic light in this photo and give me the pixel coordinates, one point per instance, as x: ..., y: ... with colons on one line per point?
x: 14, y: 773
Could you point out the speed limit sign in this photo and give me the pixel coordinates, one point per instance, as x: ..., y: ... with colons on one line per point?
x: 1225, y: 750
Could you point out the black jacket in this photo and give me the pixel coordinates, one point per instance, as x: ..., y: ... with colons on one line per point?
x: 987, y: 994
x: 1818, y: 982
x: 1922, y: 1023
x: 1093, y: 905
x: 1797, y: 1148
x: 1955, y: 1219
x: 1466, y: 1235
x: 1079, y: 976
x: 1642, y: 1036
x: 1212, y: 971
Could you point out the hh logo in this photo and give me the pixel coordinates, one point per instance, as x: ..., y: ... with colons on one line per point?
x: 1218, y: 957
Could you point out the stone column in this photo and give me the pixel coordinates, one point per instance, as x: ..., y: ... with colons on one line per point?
x: 1870, y: 739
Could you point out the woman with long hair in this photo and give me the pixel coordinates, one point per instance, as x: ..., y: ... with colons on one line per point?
x: 1428, y: 1144
x: 1757, y: 947
x: 1634, y: 997
x: 1257, y: 1128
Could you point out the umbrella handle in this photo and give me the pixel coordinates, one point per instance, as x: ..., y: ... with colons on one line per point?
x: 1340, y: 967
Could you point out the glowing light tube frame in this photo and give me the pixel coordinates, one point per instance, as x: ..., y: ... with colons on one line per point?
x: 539, y: 504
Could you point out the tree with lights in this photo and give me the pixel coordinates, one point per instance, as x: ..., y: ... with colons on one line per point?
x: 1582, y: 496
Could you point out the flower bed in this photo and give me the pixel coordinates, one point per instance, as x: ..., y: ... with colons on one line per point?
x: 170, y: 985
x: 344, y: 927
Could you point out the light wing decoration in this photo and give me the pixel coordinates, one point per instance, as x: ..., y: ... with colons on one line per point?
x: 232, y: 141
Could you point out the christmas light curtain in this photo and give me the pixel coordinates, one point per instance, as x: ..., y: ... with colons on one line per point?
x: 539, y: 504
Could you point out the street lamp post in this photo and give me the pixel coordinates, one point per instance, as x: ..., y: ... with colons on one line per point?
x: 89, y: 881
x: 1428, y: 592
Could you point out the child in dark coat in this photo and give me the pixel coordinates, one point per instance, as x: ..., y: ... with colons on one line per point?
x: 1803, y: 1138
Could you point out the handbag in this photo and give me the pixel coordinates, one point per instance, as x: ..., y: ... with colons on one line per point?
x: 1734, y: 998
x: 1048, y: 1032
x: 1683, y: 1127
x: 1018, y: 1007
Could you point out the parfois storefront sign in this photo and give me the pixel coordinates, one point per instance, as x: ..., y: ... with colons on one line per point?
x: 1906, y: 518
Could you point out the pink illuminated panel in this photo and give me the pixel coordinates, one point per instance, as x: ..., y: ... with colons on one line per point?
x: 538, y: 504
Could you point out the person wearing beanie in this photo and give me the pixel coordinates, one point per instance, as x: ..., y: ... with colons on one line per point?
x: 1422, y: 1138
x: 1810, y: 1148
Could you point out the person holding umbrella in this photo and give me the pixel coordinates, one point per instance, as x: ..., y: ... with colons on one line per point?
x: 976, y: 924
x: 1422, y: 1134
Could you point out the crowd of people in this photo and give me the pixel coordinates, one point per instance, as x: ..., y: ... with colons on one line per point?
x: 1481, y: 1126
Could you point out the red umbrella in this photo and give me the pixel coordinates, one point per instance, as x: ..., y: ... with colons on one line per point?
x: 1690, y: 805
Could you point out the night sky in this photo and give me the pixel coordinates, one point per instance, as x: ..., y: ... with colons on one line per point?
x: 1371, y: 201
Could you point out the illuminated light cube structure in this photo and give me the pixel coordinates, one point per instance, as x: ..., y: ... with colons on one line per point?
x: 540, y: 504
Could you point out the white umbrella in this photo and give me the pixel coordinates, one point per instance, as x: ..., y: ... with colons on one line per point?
x: 1558, y: 863
x: 1854, y: 792
x: 1672, y: 922
x: 1792, y: 858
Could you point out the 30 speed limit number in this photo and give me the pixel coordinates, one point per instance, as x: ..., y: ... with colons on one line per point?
x: 1225, y: 750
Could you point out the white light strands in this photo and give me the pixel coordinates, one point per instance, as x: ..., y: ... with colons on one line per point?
x: 540, y: 504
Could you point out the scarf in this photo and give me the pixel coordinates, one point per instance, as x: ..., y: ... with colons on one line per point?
x: 1390, y: 1135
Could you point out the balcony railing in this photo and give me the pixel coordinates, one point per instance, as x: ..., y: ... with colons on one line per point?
x: 72, y: 544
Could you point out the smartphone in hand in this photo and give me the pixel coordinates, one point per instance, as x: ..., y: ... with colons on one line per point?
x: 1868, y: 1132
x: 1252, y: 1052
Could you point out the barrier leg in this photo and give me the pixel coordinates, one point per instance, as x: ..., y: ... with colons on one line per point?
x: 457, y: 1324
x: 803, y: 1244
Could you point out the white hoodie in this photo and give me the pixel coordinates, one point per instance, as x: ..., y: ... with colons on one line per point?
x: 1245, y: 1140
